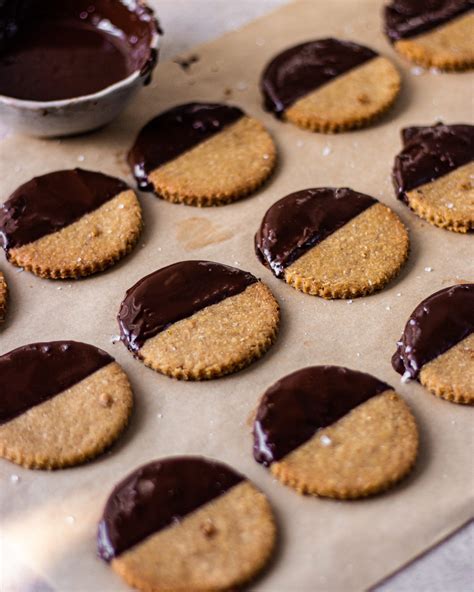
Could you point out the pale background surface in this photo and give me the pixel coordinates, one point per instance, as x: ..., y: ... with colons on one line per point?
x: 448, y: 567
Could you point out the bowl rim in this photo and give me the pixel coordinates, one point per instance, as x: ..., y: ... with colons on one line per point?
x: 128, y: 81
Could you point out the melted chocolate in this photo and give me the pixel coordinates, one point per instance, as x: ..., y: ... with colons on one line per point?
x: 174, y: 293
x: 174, y: 132
x: 429, y: 153
x: 299, y: 70
x: 301, y: 220
x: 158, y: 495
x: 48, y: 203
x: 59, y: 50
x: 438, y: 323
x: 37, y: 372
x: 297, y: 406
x: 407, y: 18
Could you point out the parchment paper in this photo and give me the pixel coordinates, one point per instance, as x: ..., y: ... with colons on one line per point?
x: 50, y: 518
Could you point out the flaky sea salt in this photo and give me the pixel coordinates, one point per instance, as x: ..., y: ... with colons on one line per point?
x: 70, y: 519
x: 417, y: 71
x: 81, y: 158
x: 325, y: 440
x: 405, y: 378
x: 326, y: 151
x: 14, y: 478
x: 428, y: 269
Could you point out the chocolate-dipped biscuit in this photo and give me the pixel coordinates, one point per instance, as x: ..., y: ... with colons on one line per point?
x: 335, y: 432
x: 432, y: 32
x: 198, y: 319
x: 169, y: 520
x: 70, y: 223
x: 437, y: 344
x: 60, y: 50
x: 61, y: 403
x: 202, y: 154
x: 335, y: 243
x: 433, y: 174
x: 329, y: 85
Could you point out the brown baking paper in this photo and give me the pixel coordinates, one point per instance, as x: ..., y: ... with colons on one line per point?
x: 50, y: 519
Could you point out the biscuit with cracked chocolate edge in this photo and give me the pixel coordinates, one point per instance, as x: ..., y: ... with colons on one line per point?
x: 432, y: 34
x: 196, y: 320
x: 330, y: 85
x: 334, y: 432
x: 433, y: 174
x: 61, y: 403
x: 202, y: 154
x: 437, y: 345
x: 3, y: 297
x: 70, y: 224
x: 334, y: 243
x: 186, y: 523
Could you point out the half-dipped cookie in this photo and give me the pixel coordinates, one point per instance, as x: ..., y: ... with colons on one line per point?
x: 3, y: 297
x: 334, y: 243
x: 70, y: 224
x: 61, y: 403
x: 434, y: 174
x: 434, y: 33
x: 335, y: 432
x: 437, y: 345
x: 329, y: 85
x: 202, y: 154
x: 186, y: 523
x: 198, y: 319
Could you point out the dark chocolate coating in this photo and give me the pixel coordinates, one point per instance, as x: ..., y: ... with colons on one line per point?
x: 32, y: 374
x: 158, y: 495
x: 438, y: 323
x: 48, y: 203
x: 174, y: 132
x: 301, y: 220
x: 407, y: 18
x: 174, y: 293
x: 298, y: 405
x: 429, y: 153
x: 59, y: 50
x: 299, y: 70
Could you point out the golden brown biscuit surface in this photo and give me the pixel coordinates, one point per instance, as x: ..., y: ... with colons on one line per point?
x: 352, y: 100
x: 451, y: 374
x: 219, y: 546
x: 363, y: 453
x: 447, y: 202
x: 222, y: 169
x: 447, y: 47
x: 358, y: 259
x: 3, y: 297
x: 218, y: 339
x: 91, y: 244
x: 73, y: 426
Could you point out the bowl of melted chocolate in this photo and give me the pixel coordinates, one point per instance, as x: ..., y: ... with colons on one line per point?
x: 70, y: 66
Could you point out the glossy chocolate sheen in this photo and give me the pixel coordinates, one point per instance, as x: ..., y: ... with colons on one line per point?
x: 299, y: 70
x: 438, y: 323
x: 174, y: 293
x: 174, y: 132
x: 158, y: 495
x: 301, y: 220
x: 297, y: 406
x: 48, y: 203
x: 407, y: 18
x: 37, y: 372
x: 429, y: 153
x: 58, y: 50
